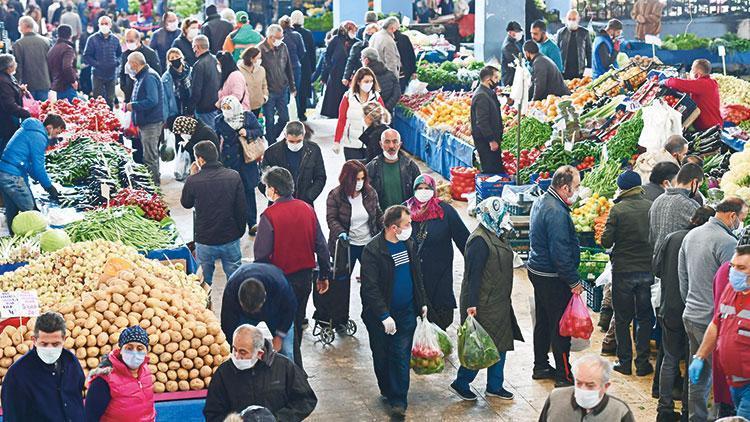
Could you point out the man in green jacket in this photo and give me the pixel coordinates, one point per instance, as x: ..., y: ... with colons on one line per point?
x: 627, y: 232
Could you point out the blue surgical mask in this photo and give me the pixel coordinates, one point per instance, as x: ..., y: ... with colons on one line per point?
x: 738, y: 280
x: 133, y: 359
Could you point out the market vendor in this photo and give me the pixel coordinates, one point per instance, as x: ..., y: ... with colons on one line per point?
x: 704, y: 91
x: 606, y: 48
x: 24, y: 156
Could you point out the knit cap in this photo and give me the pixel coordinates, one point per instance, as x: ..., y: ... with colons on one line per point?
x: 628, y: 180
x: 133, y: 334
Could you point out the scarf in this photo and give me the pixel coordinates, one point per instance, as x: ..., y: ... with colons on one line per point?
x: 493, y: 215
x: 231, y: 109
x: 423, y: 211
x: 184, y: 125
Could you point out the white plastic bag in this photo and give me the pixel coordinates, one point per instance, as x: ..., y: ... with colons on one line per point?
x: 182, y: 165
x: 426, y: 356
x: 660, y: 121
x: 415, y: 87
x: 124, y: 117
x: 656, y: 294
x: 604, y: 277
x: 519, y: 91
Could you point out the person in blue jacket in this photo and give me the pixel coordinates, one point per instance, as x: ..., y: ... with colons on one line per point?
x: 553, y: 271
x: 102, y: 53
x: 147, y: 105
x: 46, y: 384
x: 260, y: 292
x: 24, y: 157
x: 606, y: 48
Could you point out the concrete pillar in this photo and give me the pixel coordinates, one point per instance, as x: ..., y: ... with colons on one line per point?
x: 394, y: 6
x: 491, y: 18
x: 349, y: 10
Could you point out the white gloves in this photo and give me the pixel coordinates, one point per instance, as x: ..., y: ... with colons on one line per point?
x: 390, y: 326
x: 336, y: 147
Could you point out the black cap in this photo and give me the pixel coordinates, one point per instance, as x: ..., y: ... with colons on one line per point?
x: 514, y: 26
x: 211, y: 10
x: 614, y: 24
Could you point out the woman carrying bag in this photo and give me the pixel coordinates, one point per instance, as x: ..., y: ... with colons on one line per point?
x: 176, y: 82
x: 351, y: 121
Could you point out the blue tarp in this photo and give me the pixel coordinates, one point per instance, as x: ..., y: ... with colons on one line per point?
x: 178, y: 410
x: 181, y: 252
x: 686, y: 57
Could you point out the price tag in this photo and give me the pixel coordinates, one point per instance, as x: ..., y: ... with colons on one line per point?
x: 633, y: 106
x: 653, y: 40
x: 105, y: 191
x: 605, y: 155
x: 18, y: 304
x: 568, y: 145
x: 405, y: 21
x: 722, y: 51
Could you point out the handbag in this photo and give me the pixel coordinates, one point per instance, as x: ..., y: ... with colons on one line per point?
x: 253, y: 150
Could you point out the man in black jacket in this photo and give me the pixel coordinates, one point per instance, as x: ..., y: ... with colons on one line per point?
x: 133, y: 43
x: 546, y: 78
x: 257, y: 376
x: 511, y: 49
x: 575, y: 46
x: 408, y: 59
x: 216, y: 29
x: 205, y: 82
x: 302, y: 158
x: 487, y: 122
x: 354, y: 62
x: 308, y: 64
x: 218, y: 196
x: 390, y: 90
x: 392, y: 173
x: 392, y: 297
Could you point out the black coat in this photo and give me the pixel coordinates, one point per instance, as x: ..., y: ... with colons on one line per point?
x: 371, y: 139
x: 409, y: 172
x: 152, y: 60
x: 311, y: 178
x: 390, y: 90
x: 406, y: 51
x: 205, y: 83
x: 354, y: 62
x: 216, y: 29
x: 546, y: 79
x: 202, y: 133
x: 308, y: 61
x: 665, y: 264
x: 336, y: 55
x: 486, y: 117
x: 11, y: 108
x: 511, y: 50
x: 275, y: 383
x: 186, y: 47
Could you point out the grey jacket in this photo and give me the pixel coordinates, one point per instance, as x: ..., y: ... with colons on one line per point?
x: 278, y: 67
x: 384, y: 42
x: 670, y: 212
x: 546, y: 79
x: 583, y: 41
x: 702, y: 252
x: 31, y: 55
x: 562, y: 406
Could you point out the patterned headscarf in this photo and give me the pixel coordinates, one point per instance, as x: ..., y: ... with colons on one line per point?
x: 133, y: 334
x: 494, y: 216
x: 429, y: 210
x: 232, y: 111
x: 184, y: 125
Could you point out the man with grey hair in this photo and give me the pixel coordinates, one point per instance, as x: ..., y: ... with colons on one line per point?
x: 588, y: 399
x: 103, y: 54
x: 205, y: 83
x: 673, y: 151
x: 147, y: 107
x: 134, y: 43
x: 31, y: 55
x: 385, y: 43
x: 256, y: 375
x: 553, y: 271
x: 280, y: 80
x: 390, y: 90
x: 392, y: 173
x: 46, y: 384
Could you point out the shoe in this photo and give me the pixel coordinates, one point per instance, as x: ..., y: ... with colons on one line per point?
x: 253, y: 230
x: 563, y: 383
x: 667, y: 416
x: 622, y: 368
x: 501, y: 394
x: 609, y: 349
x: 466, y: 395
x: 544, y: 374
x: 398, y: 411
x: 644, y: 370
x: 605, y: 317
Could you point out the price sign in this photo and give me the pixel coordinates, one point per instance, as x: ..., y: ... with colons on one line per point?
x: 105, y: 191
x: 18, y: 304
x: 653, y: 40
x: 722, y: 51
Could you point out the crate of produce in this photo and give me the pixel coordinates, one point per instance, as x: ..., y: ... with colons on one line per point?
x: 489, y: 185
x: 592, y: 264
x: 462, y: 182
x: 594, y: 295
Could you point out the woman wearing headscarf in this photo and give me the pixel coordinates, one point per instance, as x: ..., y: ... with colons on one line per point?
x: 232, y: 81
x: 189, y: 131
x: 376, y: 119
x: 436, y: 226
x: 231, y: 124
x: 485, y: 294
x: 336, y: 55
x: 176, y: 82
x: 363, y: 89
x: 121, y: 388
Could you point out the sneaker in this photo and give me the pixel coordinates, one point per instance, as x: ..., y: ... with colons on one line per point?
x: 501, y: 394
x: 544, y: 374
x: 466, y: 395
x: 644, y: 370
x: 625, y: 369
x: 398, y: 411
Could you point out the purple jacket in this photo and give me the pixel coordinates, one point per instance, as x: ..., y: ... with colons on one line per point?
x: 61, y: 63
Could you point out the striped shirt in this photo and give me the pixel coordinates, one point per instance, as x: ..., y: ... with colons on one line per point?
x: 402, y: 296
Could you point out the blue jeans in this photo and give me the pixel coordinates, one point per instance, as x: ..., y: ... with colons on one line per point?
x: 250, y: 176
x: 741, y: 399
x: 391, y: 354
x: 68, y: 94
x: 17, y: 196
x: 229, y: 254
x: 208, y: 118
x: 495, y: 376
x: 40, y: 94
x: 278, y: 102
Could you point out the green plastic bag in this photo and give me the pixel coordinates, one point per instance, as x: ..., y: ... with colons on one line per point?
x: 476, y: 350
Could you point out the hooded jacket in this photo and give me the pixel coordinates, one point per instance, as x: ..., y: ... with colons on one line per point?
x: 24, y: 154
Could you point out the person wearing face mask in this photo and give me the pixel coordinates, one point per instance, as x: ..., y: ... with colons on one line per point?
x: 302, y: 158
x: 176, y: 81
x: 647, y: 15
x: 162, y: 38
x: 232, y: 125
x: 24, y: 157
x: 121, y: 387
x: 245, y: 378
x: 336, y: 56
x: 392, y: 296
x: 280, y: 78
x: 487, y: 122
x: 354, y: 217
x: 553, y: 271
x: 289, y: 237
x: 703, y: 251
x: 133, y: 43
x: 546, y: 78
x: 232, y: 81
x: 12, y: 111
x: 354, y: 62
x: 704, y: 90
x: 606, y: 48
x: 242, y: 38
x: 255, y: 79
x: 575, y: 46
x: 628, y: 236
x: 588, y: 400
x: 376, y: 119
x: 511, y: 49
x: 215, y: 29
x: 350, y: 126
x: 103, y: 53
x: 205, y: 82
x: 390, y: 90
x: 673, y: 210
x: 436, y: 227
x: 184, y: 42
x: 384, y: 42
x: 46, y: 384
x: 392, y: 174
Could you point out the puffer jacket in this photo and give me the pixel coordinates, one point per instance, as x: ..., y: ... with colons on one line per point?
x: 351, y: 121
x: 339, y: 213
x: 627, y: 230
x: 24, y: 154
x: 554, y: 244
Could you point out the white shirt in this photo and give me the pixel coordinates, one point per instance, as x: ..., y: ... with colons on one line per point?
x: 359, y: 230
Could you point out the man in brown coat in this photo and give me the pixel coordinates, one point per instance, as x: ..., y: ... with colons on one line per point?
x: 647, y: 14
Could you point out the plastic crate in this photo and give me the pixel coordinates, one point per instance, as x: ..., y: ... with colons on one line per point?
x: 524, y: 209
x: 594, y: 295
x: 486, y: 189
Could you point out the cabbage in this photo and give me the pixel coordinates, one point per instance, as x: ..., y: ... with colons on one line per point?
x: 53, y: 239
x: 28, y: 223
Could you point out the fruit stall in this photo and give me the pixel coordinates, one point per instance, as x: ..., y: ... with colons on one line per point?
x: 682, y: 49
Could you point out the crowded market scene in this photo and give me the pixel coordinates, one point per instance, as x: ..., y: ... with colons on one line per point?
x: 353, y: 210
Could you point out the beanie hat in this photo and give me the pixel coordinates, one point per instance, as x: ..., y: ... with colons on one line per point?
x: 133, y: 334
x: 211, y: 10
x: 628, y: 180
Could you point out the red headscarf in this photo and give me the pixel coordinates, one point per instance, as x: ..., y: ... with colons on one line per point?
x: 423, y: 211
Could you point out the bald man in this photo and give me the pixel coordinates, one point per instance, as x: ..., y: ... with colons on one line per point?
x: 392, y: 173
x: 103, y: 54
x: 575, y: 46
x: 31, y: 56
x: 134, y: 43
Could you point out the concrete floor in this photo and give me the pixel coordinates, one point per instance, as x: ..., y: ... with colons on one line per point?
x: 342, y: 376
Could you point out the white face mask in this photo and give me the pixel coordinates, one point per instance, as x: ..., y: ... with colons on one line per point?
x: 518, y: 36
x: 133, y: 359
x: 353, y: 34
x: 390, y: 157
x: 192, y: 33
x: 294, y: 147
x: 172, y: 26
x: 104, y: 29
x: 424, y: 195
x: 131, y: 46
x: 244, y: 364
x: 129, y: 71
x: 572, y: 25
x: 257, y: 63
x: 49, y: 355
x: 185, y: 137
x: 366, y: 87
x: 587, y: 399
x: 277, y: 43
x: 360, y: 184
x: 404, y: 235
x: 268, y: 197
